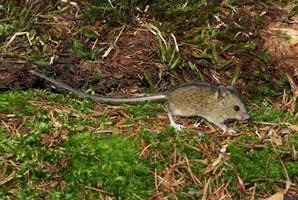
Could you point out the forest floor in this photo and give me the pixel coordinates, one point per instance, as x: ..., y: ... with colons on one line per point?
x: 57, y: 146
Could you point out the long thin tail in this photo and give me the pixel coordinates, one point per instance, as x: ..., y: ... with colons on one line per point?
x: 77, y: 92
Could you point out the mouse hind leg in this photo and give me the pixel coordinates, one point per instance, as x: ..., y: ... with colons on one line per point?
x: 173, y: 124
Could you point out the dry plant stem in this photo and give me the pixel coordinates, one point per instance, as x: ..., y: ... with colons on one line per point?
x: 267, y: 163
x: 288, y: 182
x: 186, y: 194
x: 175, y: 155
x: 155, y: 179
x: 175, y: 41
x: 251, y: 103
x: 284, y: 98
x: 293, y: 22
x: 94, y: 44
x: 206, y: 186
x: 137, y: 196
x: 111, y: 47
x: 14, y: 36
x: 193, y: 177
x: 73, y: 4
x: 253, y: 192
x: 272, y: 104
x: 154, y: 196
x: 152, y: 29
x: 294, y: 90
x: 266, y: 123
x: 294, y: 152
x: 241, y: 184
x: 164, y: 182
x: 143, y: 151
x: 92, y: 188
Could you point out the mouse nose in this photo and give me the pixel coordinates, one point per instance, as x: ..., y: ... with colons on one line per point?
x: 244, y: 116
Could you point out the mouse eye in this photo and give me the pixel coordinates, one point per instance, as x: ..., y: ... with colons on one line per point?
x: 236, y: 108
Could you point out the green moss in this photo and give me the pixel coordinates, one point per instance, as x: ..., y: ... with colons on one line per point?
x: 81, y: 49
x: 269, y: 114
x: 112, y: 161
x: 15, y: 102
x: 260, y: 163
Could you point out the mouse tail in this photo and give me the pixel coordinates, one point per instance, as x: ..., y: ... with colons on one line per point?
x: 77, y: 92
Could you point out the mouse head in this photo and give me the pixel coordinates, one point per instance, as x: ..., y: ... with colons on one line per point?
x: 230, y: 104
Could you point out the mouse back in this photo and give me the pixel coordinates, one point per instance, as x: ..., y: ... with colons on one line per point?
x: 190, y: 99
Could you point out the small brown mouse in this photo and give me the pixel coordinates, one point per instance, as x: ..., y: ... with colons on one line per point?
x: 213, y: 103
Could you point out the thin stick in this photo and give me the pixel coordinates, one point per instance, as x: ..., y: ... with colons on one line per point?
x: 111, y: 47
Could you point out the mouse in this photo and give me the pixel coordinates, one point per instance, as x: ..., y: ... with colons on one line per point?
x: 216, y: 104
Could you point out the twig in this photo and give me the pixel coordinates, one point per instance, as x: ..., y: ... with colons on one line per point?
x: 288, y: 182
x: 98, y: 190
x: 111, y: 47
x: 251, y: 103
x: 94, y: 44
x: 141, y: 154
x: 155, y: 179
x: 272, y: 124
x: 151, y: 28
x: 292, y: 22
x: 175, y: 41
x: 75, y: 4
x: 193, y: 177
x: 253, y: 192
x: 294, y: 90
x: 137, y: 196
x: 205, y: 189
x: 294, y: 152
x: 272, y: 104
x: 14, y: 36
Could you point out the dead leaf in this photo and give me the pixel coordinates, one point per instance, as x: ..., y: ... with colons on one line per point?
x: 99, y: 184
x: 96, y: 114
x: 293, y: 127
x: 277, y: 196
x: 8, y: 178
x: 265, y: 128
x: 276, y: 138
x: 46, y: 139
x: 53, y: 183
x: 285, y: 131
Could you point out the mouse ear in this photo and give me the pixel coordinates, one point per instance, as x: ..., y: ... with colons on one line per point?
x: 221, y: 92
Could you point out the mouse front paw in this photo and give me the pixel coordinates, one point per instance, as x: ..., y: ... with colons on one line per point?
x: 232, y: 131
x: 225, y: 129
x: 177, y: 126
